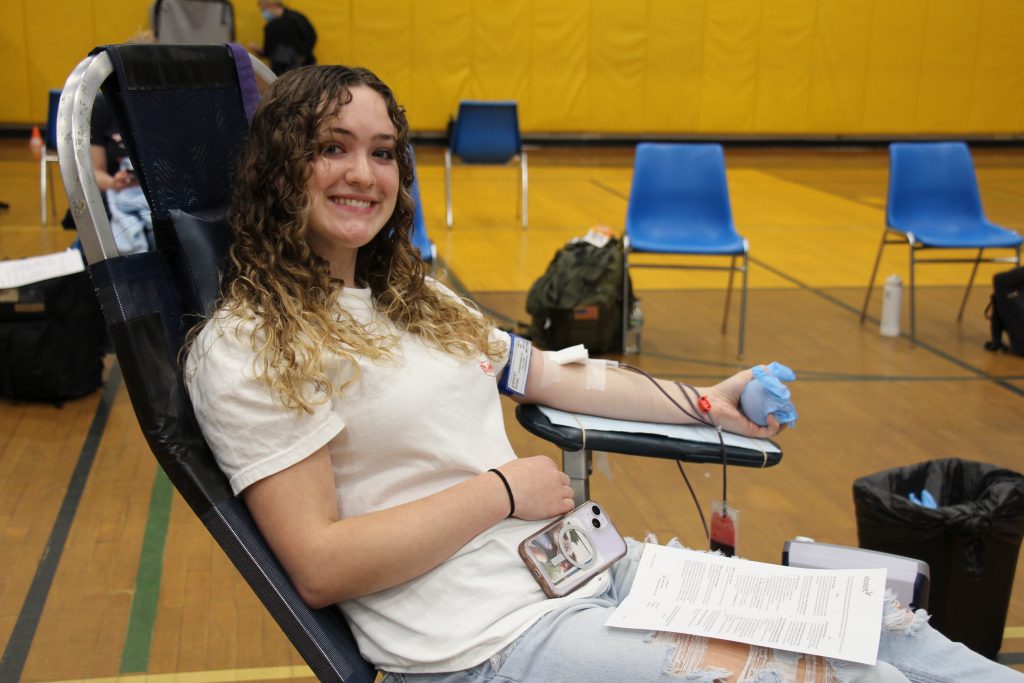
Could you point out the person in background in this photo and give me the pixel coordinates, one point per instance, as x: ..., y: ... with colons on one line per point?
x: 130, y: 218
x: 126, y: 206
x: 288, y: 37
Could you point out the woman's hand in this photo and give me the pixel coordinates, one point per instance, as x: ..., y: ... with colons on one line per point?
x: 725, y: 411
x: 540, y: 489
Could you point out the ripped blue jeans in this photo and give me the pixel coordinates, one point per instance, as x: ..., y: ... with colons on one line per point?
x: 573, y: 644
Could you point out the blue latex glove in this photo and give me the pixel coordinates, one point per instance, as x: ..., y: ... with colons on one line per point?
x: 926, y: 499
x: 766, y: 395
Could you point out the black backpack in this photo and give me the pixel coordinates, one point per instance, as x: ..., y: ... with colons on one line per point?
x: 578, y: 299
x: 1006, y: 311
x: 51, y: 340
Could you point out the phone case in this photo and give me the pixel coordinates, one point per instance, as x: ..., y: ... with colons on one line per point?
x: 572, y: 550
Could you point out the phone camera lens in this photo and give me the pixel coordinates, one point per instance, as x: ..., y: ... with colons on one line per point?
x: 596, y: 510
x: 596, y: 522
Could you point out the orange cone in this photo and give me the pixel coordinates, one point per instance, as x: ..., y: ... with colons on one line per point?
x: 36, y: 143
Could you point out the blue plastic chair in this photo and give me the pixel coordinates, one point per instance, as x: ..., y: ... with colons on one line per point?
x: 420, y: 240
x: 934, y: 203
x: 486, y: 133
x: 49, y: 156
x: 679, y: 204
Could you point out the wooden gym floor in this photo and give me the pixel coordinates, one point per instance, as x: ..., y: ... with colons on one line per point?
x: 105, y: 575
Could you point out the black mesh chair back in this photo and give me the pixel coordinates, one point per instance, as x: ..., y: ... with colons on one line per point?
x: 183, y: 110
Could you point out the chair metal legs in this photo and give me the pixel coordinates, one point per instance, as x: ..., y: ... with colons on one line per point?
x: 743, y: 303
x: 744, y: 268
x: 912, y: 294
x: 874, y: 273
x: 909, y: 240
x: 448, y: 186
x: 899, y: 238
x: 523, y: 182
x: 523, y: 187
x: 728, y: 294
x: 42, y: 189
x: 970, y: 281
x: 625, y: 292
x: 44, y: 176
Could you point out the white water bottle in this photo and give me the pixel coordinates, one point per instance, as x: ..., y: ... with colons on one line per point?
x: 892, y: 297
x: 634, y: 329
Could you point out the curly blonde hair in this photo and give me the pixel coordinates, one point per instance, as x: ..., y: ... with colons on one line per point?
x: 275, y: 281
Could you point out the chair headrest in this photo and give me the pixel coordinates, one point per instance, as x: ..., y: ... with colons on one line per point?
x: 182, y: 116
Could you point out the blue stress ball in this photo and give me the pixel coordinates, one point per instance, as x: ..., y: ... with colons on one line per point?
x: 766, y: 395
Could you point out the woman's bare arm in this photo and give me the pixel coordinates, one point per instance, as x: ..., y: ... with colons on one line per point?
x: 627, y: 395
x: 331, y: 559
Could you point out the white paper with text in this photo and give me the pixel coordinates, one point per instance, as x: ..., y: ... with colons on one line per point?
x: 833, y: 613
x: 25, y: 271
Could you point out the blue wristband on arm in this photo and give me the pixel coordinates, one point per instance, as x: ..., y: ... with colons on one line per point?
x: 513, y: 378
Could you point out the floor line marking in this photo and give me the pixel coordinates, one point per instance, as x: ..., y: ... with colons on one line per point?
x: 142, y: 617
x: 924, y: 345
x: 217, y: 676
x: 17, y: 649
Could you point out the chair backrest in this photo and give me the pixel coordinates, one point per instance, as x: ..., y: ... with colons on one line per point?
x: 932, y: 184
x: 182, y: 113
x: 486, y: 132
x: 51, y: 120
x: 420, y: 240
x: 678, y: 187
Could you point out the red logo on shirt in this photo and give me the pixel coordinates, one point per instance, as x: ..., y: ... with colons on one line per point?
x: 488, y: 369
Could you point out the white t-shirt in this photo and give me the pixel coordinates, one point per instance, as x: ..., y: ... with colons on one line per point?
x: 405, y: 429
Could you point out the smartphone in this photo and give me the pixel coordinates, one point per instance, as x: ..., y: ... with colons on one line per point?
x: 572, y: 550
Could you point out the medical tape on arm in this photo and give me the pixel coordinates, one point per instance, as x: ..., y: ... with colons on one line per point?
x: 550, y: 372
x: 596, y: 368
x: 597, y: 373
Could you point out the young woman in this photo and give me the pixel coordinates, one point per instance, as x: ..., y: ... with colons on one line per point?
x: 353, y: 402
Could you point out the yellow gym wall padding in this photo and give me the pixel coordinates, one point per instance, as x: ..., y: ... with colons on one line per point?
x: 621, y: 67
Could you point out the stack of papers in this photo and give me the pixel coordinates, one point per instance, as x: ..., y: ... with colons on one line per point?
x: 25, y: 271
x: 834, y: 613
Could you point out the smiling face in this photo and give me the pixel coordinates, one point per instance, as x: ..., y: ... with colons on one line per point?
x: 353, y: 186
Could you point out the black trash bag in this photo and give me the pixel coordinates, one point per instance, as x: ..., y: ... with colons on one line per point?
x: 970, y: 542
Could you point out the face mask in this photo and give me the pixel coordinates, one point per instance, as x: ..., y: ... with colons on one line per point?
x: 267, y: 15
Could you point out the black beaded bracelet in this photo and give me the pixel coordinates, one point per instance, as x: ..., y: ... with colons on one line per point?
x: 511, y: 499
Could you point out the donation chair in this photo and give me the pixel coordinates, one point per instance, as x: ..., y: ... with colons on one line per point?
x: 150, y: 299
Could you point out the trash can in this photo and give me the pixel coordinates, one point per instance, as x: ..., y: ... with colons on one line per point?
x: 970, y: 541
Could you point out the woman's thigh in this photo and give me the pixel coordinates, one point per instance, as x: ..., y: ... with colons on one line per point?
x: 573, y: 644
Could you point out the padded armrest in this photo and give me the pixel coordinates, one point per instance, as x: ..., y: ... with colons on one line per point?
x: 651, y: 445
